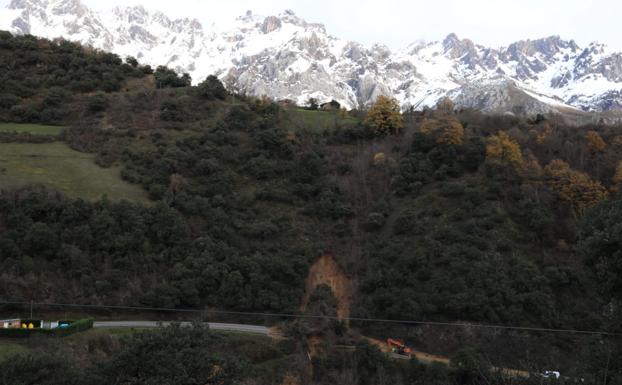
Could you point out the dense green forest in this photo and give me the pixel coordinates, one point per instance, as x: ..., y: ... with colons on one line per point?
x: 448, y: 215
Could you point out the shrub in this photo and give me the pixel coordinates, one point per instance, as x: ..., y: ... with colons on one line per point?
x: 211, y: 88
x: 97, y: 103
x: 9, y: 100
x: 167, y: 78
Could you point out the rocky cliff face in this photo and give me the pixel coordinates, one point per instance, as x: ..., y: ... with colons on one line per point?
x: 283, y: 56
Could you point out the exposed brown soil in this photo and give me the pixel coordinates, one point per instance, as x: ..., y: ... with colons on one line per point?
x: 276, y: 334
x: 315, y: 345
x: 291, y: 379
x: 326, y: 271
x: 421, y: 356
x: 432, y: 358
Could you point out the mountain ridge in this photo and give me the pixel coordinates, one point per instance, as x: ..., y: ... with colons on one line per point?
x: 285, y: 57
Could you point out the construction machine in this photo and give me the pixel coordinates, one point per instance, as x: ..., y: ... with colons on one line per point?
x: 398, y: 347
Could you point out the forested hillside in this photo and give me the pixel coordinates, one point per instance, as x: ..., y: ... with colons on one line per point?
x: 440, y: 215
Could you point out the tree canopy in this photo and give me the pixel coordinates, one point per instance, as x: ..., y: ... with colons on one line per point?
x: 503, y: 151
x: 384, y: 117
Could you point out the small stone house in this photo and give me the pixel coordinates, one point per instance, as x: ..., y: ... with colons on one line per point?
x: 333, y: 105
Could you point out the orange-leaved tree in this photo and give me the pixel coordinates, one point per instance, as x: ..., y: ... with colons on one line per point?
x: 532, y: 169
x: 384, y: 116
x: 503, y: 151
x: 451, y: 131
x: 574, y: 187
x: 595, y: 142
x: 542, y: 133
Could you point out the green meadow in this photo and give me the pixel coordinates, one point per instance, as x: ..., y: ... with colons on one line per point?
x: 69, y: 171
x: 34, y: 129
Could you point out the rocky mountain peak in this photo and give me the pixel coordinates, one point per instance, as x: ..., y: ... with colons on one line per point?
x: 288, y: 16
x: 450, y: 41
x: 380, y: 52
x: 28, y: 4
x: 19, y: 4
x: 547, y: 47
x: 461, y: 49
x: 595, y: 48
x: 58, y: 7
x: 458, y: 47
x: 136, y: 14
x: 286, y: 57
x: 271, y: 23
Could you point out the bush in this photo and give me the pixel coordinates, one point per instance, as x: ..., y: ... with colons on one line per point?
x: 374, y: 222
x: 170, y: 112
x: 97, y: 103
x: 167, y: 78
x: 9, y: 100
x: 211, y: 88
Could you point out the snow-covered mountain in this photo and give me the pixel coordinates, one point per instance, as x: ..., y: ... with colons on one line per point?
x: 284, y: 57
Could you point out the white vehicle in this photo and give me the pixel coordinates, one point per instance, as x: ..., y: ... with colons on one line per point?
x: 551, y: 374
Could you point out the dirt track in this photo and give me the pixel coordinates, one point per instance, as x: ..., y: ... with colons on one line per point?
x: 431, y: 358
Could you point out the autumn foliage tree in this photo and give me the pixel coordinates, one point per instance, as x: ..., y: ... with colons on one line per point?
x: 429, y: 125
x: 450, y: 130
x: 542, y: 133
x: 574, y: 187
x: 595, y: 142
x: 532, y: 169
x: 384, y: 116
x: 503, y: 151
x: 452, y: 133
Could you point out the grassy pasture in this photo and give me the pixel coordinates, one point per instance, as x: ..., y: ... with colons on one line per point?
x: 56, y: 165
x: 34, y: 129
x: 317, y: 121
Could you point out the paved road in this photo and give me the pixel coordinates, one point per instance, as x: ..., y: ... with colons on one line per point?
x: 155, y: 324
x: 424, y: 357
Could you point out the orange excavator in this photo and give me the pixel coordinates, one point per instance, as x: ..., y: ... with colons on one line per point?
x: 398, y: 347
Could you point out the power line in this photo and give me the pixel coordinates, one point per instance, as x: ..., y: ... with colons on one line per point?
x: 310, y: 316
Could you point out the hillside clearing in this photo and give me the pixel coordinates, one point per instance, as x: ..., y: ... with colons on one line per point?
x: 34, y: 129
x: 317, y: 121
x: 58, y: 166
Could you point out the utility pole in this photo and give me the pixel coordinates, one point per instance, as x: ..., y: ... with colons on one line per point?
x: 608, y: 361
x: 31, y: 303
